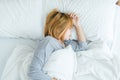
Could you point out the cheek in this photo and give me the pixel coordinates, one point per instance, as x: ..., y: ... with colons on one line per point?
x: 67, y: 35
x: 70, y: 33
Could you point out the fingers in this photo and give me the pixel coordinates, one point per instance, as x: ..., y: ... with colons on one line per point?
x: 75, y: 18
x: 54, y: 78
x: 73, y: 15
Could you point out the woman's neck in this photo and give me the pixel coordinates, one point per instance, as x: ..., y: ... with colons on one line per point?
x: 62, y: 42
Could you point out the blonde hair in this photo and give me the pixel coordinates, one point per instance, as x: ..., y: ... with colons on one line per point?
x: 57, y: 23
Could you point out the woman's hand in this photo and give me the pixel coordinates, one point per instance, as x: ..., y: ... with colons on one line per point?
x: 75, y: 19
x: 79, y: 30
x: 54, y: 78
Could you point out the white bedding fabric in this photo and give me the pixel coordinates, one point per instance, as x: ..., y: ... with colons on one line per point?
x: 7, y: 46
x: 62, y: 64
x: 21, y: 18
x: 25, y: 18
x: 96, y: 63
x: 17, y: 65
x: 116, y: 41
x: 96, y: 20
x: 93, y: 64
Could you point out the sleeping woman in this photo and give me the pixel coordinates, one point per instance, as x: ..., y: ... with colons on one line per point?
x: 57, y: 34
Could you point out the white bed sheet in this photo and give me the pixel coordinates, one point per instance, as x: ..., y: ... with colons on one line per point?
x: 96, y: 63
x: 7, y: 46
x: 116, y: 41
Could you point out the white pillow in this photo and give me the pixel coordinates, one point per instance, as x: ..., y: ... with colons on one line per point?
x: 96, y: 16
x: 61, y: 64
x: 24, y: 18
x: 21, y: 18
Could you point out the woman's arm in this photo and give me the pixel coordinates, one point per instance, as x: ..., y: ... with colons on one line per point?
x: 35, y: 70
x: 42, y: 52
x: 80, y: 44
x: 80, y: 34
x: 79, y: 30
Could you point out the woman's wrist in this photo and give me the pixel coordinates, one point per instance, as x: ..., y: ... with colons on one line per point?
x: 76, y: 26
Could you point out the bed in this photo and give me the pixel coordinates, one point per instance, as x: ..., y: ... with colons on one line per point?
x: 21, y: 28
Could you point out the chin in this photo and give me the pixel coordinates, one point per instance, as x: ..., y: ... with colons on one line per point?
x: 67, y: 38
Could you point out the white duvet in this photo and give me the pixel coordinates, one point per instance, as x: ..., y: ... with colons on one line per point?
x: 94, y: 64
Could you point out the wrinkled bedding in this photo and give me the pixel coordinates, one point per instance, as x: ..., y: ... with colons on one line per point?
x: 97, y: 63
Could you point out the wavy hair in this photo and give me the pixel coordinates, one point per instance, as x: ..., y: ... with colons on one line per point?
x: 57, y: 23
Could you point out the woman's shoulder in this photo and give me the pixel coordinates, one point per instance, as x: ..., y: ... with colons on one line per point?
x: 47, y: 40
x: 44, y: 43
x: 53, y: 42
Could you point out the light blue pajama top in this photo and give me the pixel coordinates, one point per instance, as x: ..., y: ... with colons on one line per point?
x: 44, y: 49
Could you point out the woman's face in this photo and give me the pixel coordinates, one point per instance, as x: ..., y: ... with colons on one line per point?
x: 67, y: 34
